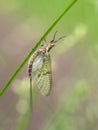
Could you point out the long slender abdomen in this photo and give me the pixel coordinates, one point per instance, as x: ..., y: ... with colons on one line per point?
x: 30, y: 63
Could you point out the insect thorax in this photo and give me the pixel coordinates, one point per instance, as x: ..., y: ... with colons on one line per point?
x: 43, y: 50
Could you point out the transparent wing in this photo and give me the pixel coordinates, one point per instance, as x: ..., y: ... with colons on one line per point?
x: 42, y: 73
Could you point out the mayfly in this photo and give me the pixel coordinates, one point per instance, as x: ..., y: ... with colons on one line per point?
x: 40, y: 67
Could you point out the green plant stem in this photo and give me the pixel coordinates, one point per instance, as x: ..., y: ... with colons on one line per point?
x: 36, y: 46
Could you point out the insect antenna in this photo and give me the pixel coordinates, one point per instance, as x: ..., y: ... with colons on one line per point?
x: 59, y: 39
x: 54, y: 41
x: 54, y: 36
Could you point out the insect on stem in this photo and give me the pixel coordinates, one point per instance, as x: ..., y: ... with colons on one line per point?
x: 40, y: 67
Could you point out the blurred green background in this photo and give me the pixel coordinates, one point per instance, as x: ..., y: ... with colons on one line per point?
x: 72, y: 104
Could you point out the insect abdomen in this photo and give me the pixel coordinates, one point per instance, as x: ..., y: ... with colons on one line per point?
x: 30, y: 63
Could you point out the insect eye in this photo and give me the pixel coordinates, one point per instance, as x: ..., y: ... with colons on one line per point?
x: 44, y: 51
